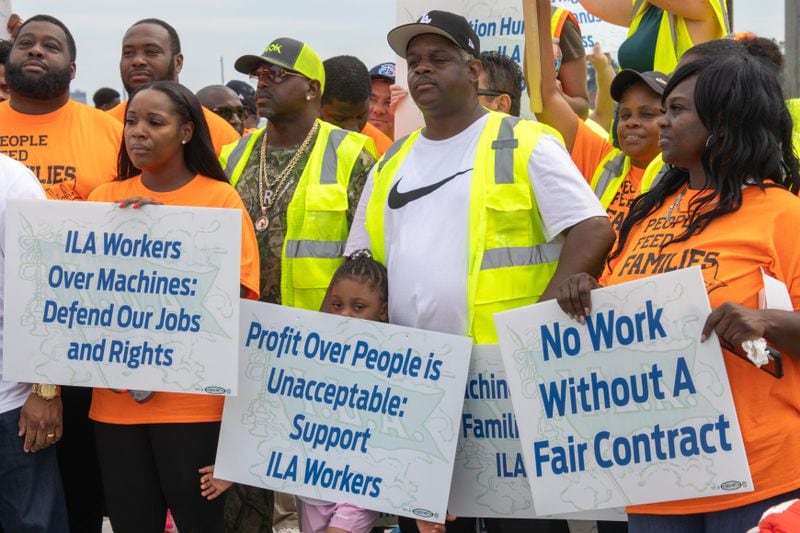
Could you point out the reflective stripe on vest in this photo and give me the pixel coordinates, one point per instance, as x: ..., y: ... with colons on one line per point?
x: 329, y: 160
x: 504, y: 146
x: 326, y: 249
x: 609, y: 175
x: 613, y: 170
x: 673, y: 34
x: 233, y: 157
x: 653, y: 174
x: 520, y: 256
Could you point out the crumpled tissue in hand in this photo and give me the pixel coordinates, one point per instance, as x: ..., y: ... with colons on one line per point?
x: 756, y: 350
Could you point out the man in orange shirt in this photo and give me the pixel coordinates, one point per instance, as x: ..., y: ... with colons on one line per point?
x: 151, y: 51
x: 45, y: 130
x: 345, y: 102
x: 71, y: 148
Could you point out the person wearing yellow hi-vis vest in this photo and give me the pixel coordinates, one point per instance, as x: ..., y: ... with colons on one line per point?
x: 660, y: 31
x: 477, y: 213
x: 300, y: 179
x: 617, y: 176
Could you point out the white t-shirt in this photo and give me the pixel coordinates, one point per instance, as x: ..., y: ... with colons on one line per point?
x: 16, y: 181
x: 427, y: 223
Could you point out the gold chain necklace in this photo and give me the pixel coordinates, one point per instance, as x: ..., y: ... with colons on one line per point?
x: 266, y: 190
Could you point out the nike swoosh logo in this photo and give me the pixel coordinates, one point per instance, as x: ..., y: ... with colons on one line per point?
x: 399, y: 199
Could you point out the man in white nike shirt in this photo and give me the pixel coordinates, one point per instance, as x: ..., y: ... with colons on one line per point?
x: 466, y: 222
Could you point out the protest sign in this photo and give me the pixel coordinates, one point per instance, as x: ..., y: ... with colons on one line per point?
x: 99, y: 296
x: 489, y: 477
x: 341, y: 409
x: 629, y: 407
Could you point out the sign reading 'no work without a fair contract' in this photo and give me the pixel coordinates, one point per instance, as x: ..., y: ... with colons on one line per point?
x: 629, y: 407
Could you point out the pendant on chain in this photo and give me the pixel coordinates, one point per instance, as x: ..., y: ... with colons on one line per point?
x: 262, y: 223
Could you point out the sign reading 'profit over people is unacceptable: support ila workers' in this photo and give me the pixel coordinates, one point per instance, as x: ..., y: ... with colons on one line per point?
x: 345, y: 410
x: 629, y: 407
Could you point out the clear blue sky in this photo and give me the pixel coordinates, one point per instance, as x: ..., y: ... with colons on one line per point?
x: 210, y: 29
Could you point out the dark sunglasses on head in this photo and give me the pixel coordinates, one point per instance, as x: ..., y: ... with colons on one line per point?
x: 227, y: 112
x: 490, y: 92
x: 273, y: 74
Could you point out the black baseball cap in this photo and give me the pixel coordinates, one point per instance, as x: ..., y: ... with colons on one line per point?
x: 657, y: 81
x: 242, y: 88
x: 449, y: 25
x: 384, y: 71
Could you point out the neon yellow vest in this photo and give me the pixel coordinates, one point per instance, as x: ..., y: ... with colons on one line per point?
x: 510, y: 261
x: 673, y: 35
x: 558, y: 17
x: 316, y: 218
x: 794, y: 109
x: 613, y: 169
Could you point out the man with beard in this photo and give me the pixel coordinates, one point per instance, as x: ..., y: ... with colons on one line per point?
x: 45, y: 130
x: 300, y: 179
x: 151, y: 51
x: 72, y: 148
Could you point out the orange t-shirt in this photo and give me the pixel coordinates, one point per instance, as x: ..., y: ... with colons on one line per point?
x: 222, y: 133
x: 731, y: 252
x: 71, y: 150
x: 117, y: 408
x: 382, y: 141
x: 587, y: 153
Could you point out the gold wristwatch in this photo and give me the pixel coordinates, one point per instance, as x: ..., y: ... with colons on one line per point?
x: 46, y: 391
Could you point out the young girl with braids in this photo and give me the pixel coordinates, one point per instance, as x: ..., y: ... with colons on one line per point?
x: 359, y: 289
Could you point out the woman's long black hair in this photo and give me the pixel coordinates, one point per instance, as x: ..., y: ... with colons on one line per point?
x: 198, y: 153
x: 740, y: 102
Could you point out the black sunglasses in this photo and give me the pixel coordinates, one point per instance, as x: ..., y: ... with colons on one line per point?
x: 227, y: 112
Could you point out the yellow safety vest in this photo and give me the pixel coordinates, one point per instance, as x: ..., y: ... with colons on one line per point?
x: 510, y: 261
x: 613, y: 169
x: 673, y: 35
x: 316, y: 218
x: 558, y: 17
x: 794, y: 109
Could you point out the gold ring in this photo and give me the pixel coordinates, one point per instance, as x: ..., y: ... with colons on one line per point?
x: 51, y: 435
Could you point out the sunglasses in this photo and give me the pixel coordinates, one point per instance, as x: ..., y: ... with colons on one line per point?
x: 273, y: 74
x: 228, y: 112
x: 490, y: 92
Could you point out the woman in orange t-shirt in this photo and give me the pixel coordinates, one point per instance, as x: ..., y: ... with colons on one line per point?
x: 730, y: 205
x: 151, y: 449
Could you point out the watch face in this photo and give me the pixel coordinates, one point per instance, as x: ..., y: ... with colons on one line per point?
x: 47, y: 391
